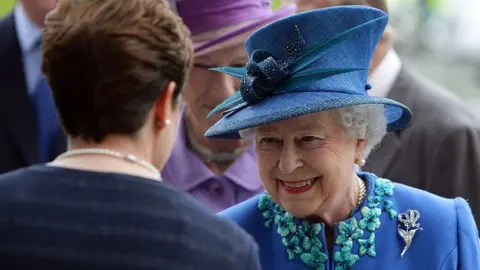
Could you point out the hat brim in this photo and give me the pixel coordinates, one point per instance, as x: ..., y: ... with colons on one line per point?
x: 238, y: 35
x: 294, y: 104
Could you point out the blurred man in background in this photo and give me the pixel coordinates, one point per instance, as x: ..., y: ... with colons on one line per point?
x: 440, y: 150
x: 29, y: 130
x: 220, y: 173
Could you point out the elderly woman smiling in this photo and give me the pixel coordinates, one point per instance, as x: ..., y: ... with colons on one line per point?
x: 303, y: 98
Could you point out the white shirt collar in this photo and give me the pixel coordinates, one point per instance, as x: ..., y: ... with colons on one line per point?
x: 385, y: 74
x: 28, y: 32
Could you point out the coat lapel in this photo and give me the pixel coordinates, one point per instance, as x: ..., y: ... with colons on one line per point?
x: 382, y: 158
x: 17, y: 110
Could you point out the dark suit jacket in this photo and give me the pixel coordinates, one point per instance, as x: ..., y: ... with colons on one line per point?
x: 439, y: 151
x: 18, y: 142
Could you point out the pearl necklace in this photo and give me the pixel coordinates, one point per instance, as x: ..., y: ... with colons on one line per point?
x: 362, y: 191
x: 107, y: 152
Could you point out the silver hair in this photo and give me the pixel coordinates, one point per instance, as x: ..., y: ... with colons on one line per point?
x: 248, y: 134
x: 365, y: 121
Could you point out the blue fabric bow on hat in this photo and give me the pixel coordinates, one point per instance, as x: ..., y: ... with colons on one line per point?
x: 306, y: 63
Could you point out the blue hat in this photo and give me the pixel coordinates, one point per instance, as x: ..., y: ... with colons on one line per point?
x: 306, y: 63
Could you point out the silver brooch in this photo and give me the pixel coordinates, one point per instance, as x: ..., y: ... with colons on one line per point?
x: 410, y: 226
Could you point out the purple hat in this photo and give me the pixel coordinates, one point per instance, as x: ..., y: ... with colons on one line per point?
x: 220, y: 23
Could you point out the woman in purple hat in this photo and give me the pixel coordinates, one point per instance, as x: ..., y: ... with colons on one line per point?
x: 219, y: 173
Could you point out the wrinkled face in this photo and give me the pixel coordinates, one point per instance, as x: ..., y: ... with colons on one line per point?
x: 306, y: 162
x: 206, y: 89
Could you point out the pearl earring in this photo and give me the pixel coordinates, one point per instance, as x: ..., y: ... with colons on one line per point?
x: 360, y: 162
x: 168, y: 122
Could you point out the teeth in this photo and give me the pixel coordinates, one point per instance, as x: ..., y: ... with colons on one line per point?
x: 299, y: 184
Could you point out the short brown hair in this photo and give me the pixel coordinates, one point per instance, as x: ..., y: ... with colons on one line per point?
x: 107, y: 62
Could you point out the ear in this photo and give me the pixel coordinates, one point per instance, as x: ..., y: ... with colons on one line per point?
x: 360, y: 148
x: 164, y: 104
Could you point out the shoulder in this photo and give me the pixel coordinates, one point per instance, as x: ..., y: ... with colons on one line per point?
x: 203, y: 232
x: 7, y: 31
x: 6, y: 22
x: 256, y: 222
x: 219, y: 235
x: 16, y: 179
x: 433, y: 105
x: 431, y: 205
x: 244, y: 213
x: 186, y: 224
x: 439, y: 213
x: 446, y: 223
x: 443, y: 215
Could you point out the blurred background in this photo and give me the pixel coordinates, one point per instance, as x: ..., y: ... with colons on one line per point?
x: 6, y: 6
x: 439, y: 38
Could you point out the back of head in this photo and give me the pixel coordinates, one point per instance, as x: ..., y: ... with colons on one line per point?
x: 107, y: 62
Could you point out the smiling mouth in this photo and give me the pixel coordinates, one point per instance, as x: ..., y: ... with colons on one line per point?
x: 298, y: 186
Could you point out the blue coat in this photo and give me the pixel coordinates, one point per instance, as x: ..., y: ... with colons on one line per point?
x: 444, y: 232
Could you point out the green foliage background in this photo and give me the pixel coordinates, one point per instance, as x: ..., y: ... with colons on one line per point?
x: 276, y: 3
x: 6, y: 6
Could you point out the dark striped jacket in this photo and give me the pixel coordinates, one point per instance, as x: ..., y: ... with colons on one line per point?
x: 57, y: 218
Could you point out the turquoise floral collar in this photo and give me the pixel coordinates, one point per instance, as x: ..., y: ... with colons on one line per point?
x: 301, y: 238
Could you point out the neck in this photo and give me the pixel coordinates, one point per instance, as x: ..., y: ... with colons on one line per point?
x: 34, y: 15
x: 342, y: 205
x: 105, y: 163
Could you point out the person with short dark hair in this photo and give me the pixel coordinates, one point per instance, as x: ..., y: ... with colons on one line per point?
x: 117, y: 71
x: 220, y: 173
